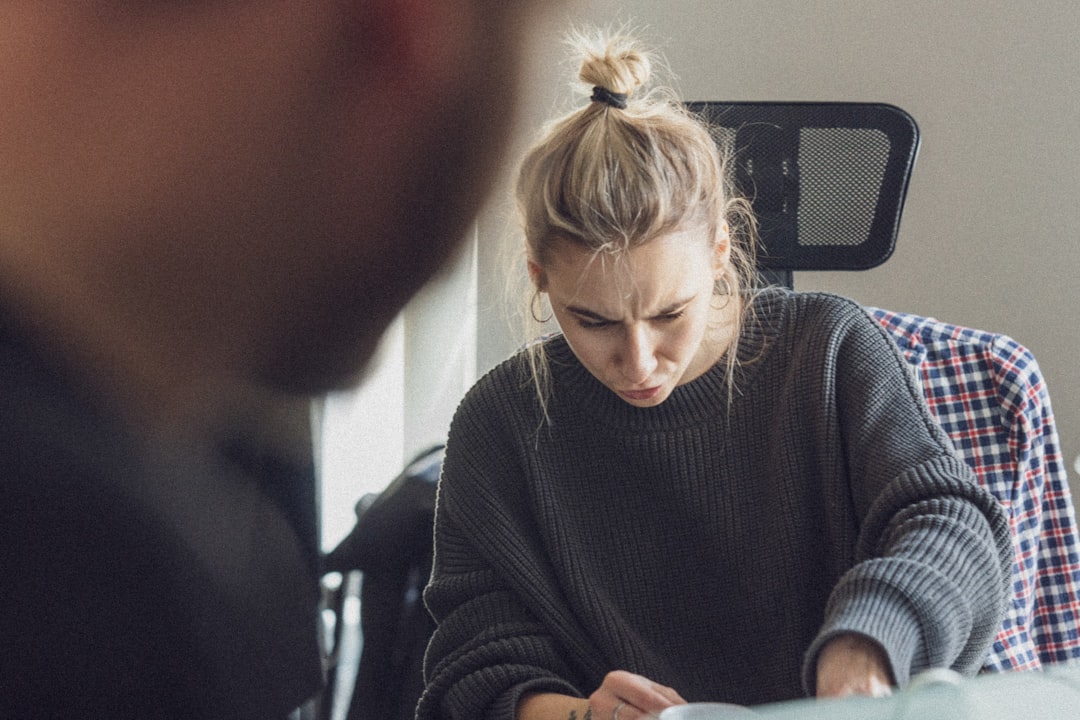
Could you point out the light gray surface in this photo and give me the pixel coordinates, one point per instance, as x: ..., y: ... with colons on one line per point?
x: 1050, y: 695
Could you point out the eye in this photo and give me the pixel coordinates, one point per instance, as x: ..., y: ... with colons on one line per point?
x: 594, y: 324
x: 669, y: 317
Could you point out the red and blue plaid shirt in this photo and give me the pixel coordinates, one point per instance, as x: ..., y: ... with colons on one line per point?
x: 989, y: 395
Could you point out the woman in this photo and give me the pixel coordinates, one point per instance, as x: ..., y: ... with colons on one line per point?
x: 705, y: 493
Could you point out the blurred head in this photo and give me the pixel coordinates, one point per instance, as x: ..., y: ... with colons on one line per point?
x: 269, y: 180
x: 627, y: 217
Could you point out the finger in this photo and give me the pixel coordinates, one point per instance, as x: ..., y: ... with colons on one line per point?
x: 605, y: 702
x: 627, y: 696
x: 656, y: 697
x: 640, y: 692
x: 671, y: 694
x: 845, y: 687
x: 626, y: 711
x: 879, y: 688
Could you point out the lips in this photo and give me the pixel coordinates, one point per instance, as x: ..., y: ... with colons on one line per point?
x: 646, y: 394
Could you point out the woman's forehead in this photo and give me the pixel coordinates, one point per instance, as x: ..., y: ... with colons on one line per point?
x: 665, y: 270
x: 621, y: 257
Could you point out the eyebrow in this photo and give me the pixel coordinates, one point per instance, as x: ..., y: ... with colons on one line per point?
x: 590, y: 315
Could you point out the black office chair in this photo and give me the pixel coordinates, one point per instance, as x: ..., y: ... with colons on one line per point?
x: 381, y: 627
x: 827, y: 182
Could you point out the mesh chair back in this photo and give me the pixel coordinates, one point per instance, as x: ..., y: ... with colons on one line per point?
x: 827, y: 180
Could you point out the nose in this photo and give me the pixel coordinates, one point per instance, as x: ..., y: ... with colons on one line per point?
x: 638, y: 359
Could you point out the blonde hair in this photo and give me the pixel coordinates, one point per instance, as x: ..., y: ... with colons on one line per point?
x: 609, y: 178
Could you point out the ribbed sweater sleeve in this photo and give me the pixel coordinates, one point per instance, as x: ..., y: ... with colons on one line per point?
x: 934, y: 556
x: 929, y: 590
x: 489, y: 648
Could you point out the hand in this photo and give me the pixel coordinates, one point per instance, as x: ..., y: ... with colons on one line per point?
x: 626, y: 696
x: 851, y: 664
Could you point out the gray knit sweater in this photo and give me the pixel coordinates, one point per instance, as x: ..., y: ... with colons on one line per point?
x: 710, y: 548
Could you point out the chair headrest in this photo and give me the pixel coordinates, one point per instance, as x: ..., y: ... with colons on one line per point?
x: 827, y: 180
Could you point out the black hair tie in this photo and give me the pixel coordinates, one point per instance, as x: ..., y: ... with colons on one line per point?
x: 603, y: 95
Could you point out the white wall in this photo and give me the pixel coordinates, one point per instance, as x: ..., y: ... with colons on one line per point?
x: 989, y: 237
x: 425, y: 363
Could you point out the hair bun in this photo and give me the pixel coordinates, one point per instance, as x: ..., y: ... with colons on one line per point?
x: 616, y: 64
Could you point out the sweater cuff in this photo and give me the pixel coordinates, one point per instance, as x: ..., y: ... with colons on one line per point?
x: 504, y: 707
x: 884, y: 615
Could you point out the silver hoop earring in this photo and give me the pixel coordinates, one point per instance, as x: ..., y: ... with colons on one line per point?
x: 532, y: 309
x: 722, y: 286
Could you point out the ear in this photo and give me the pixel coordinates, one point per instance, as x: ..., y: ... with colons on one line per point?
x: 537, y: 275
x: 722, y: 251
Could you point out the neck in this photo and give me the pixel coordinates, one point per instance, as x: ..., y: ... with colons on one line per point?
x: 721, y: 336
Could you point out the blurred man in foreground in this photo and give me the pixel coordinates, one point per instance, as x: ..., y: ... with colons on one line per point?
x: 203, y: 205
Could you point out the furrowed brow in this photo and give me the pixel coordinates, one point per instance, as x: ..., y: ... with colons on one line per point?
x: 675, y: 306
x: 587, y: 314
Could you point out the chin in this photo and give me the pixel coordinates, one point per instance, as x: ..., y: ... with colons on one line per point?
x: 662, y: 394
x: 311, y: 366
